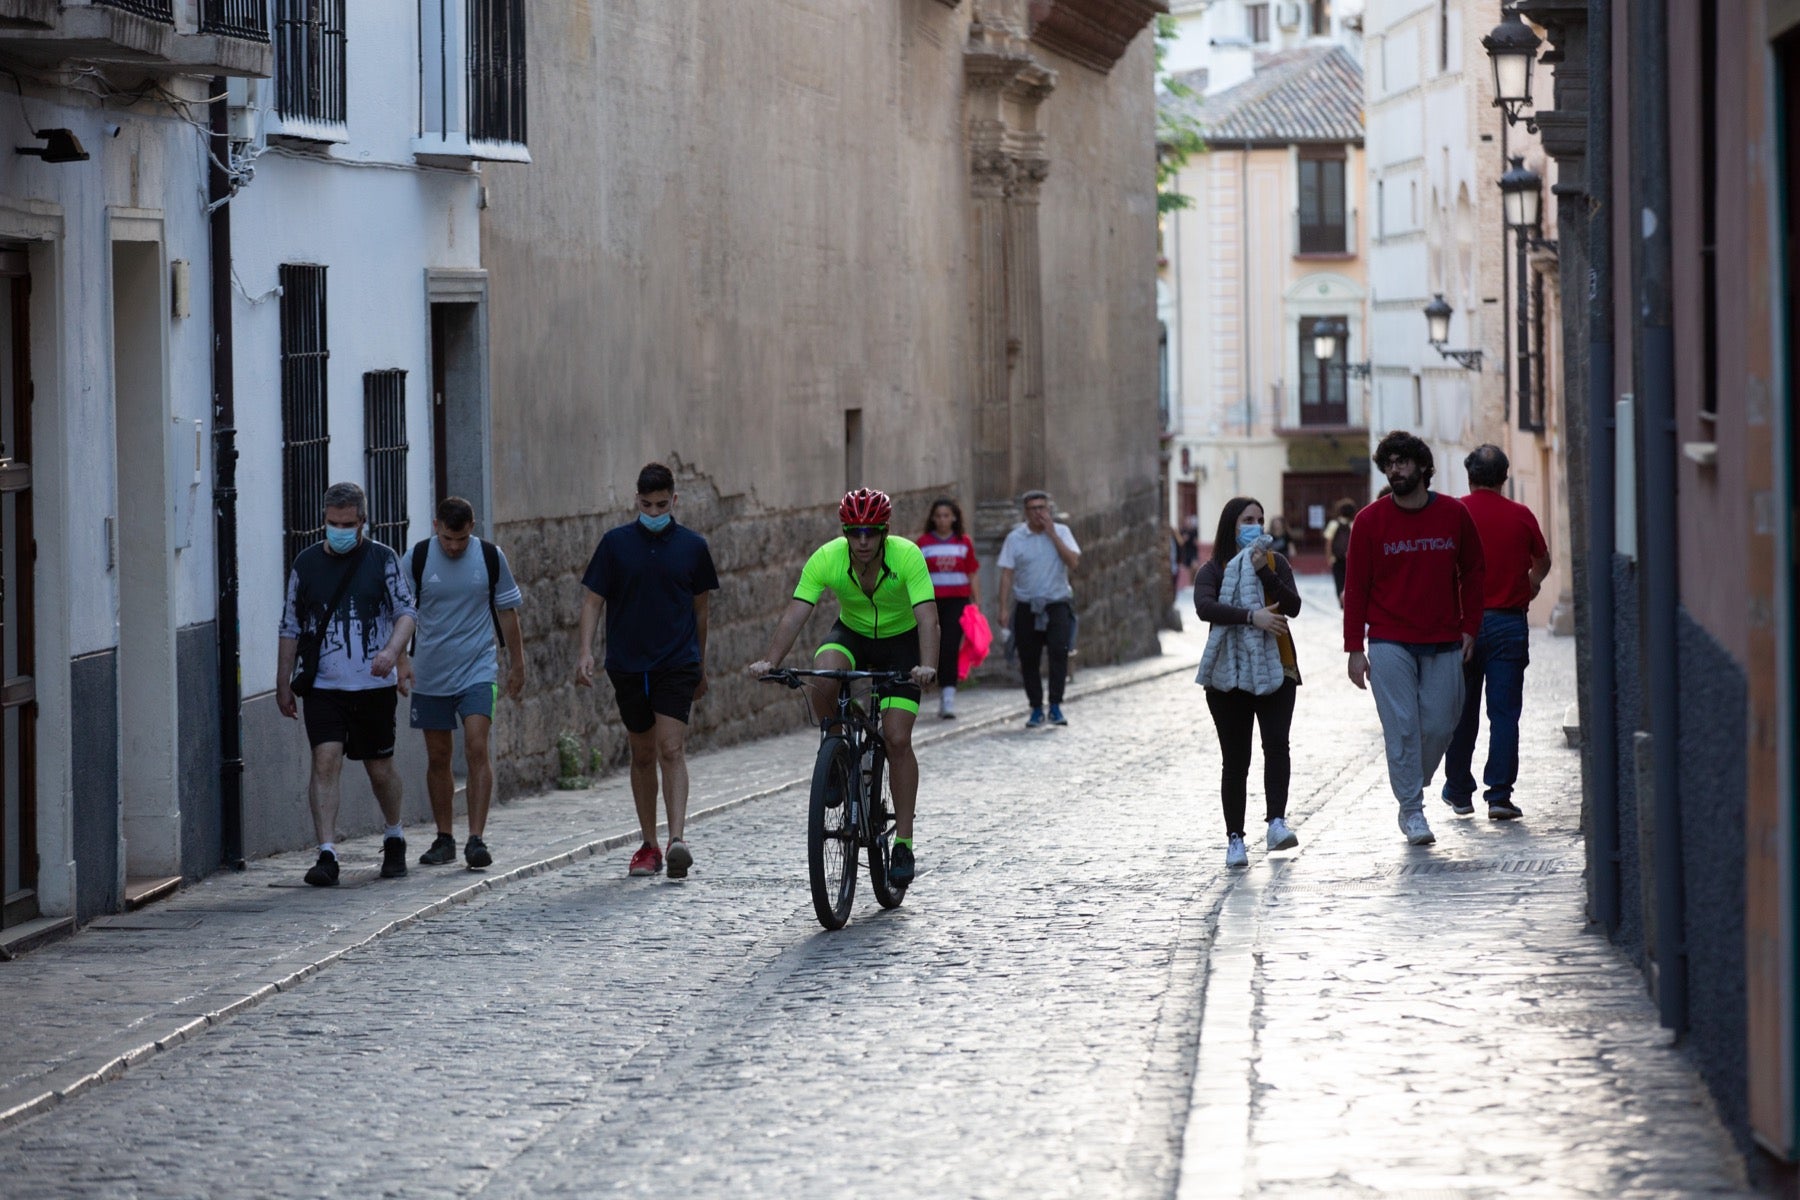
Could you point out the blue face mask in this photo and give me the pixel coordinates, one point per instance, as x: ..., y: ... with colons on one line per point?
x: 341, y: 541
x: 1248, y: 534
x: 655, y: 524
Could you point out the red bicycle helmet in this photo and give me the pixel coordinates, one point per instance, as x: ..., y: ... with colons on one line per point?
x: 865, y: 507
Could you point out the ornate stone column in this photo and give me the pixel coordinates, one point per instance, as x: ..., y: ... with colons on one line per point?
x: 1008, y: 165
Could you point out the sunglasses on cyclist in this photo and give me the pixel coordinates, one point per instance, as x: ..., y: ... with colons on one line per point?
x: 860, y: 531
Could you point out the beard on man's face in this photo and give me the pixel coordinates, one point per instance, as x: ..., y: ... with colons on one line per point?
x: 1404, y: 485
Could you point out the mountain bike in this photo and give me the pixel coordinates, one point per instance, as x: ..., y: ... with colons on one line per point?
x: 850, y: 806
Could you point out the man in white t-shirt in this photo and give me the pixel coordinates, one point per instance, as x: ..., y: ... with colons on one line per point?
x: 1036, y: 603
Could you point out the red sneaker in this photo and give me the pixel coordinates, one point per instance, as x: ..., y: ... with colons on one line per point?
x: 647, y: 861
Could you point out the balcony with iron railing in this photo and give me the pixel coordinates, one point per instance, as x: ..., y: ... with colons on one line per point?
x: 153, y: 37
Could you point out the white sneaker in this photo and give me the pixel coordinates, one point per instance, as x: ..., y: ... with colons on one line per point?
x: 947, y: 703
x: 1416, y: 830
x: 1280, y: 836
x: 1235, y: 855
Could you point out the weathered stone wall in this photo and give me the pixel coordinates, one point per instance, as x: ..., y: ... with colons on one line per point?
x: 744, y: 223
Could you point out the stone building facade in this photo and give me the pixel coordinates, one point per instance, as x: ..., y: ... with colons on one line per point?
x: 796, y: 248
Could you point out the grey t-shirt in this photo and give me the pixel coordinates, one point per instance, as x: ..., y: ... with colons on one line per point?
x: 1038, y: 571
x: 455, y: 648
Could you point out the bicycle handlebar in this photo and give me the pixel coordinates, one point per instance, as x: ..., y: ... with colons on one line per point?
x: 792, y: 676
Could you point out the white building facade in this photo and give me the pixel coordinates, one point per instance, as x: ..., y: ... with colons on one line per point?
x: 1269, y: 252
x: 1437, y: 148
x: 359, y: 318
x: 239, y: 260
x: 106, y: 360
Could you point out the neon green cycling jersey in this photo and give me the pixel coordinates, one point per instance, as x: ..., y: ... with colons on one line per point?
x: 905, y: 581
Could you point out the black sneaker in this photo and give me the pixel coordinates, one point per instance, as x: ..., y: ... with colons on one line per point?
x: 900, y: 865
x: 475, y: 853
x: 324, y: 873
x: 678, y: 859
x: 393, y: 857
x: 1503, y: 810
x: 443, y: 850
x: 1462, y: 806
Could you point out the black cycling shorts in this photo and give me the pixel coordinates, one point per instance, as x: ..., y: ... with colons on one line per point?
x: 897, y: 653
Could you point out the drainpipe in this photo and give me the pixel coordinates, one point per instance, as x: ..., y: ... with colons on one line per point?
x: 1601, y: 735
x: 1659, y: 585
x: 225, y: 455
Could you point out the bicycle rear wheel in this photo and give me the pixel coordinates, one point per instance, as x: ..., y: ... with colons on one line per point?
x: 831, y: 833
x: 880, y: 825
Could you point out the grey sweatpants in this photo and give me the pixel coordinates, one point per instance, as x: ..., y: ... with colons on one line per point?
x: 1419, y: 699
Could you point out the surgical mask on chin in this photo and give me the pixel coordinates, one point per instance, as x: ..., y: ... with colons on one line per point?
x: 655, y: 524
x: 341, y: 541
x: 1248, y: 534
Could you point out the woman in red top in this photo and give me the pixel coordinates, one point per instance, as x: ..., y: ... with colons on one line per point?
x: 951, y: 556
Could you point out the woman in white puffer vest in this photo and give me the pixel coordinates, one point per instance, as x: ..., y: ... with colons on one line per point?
x: 1246, y: 592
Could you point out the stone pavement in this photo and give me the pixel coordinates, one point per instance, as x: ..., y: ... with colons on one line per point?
x: 1076, y: 998
x: 133, y: 985
x: 1389, y: 1020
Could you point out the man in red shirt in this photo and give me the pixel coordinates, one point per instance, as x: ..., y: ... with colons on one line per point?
x: 1517, y: 561
x: 1413, y: 582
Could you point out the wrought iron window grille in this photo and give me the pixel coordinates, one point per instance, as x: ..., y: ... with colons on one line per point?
x: 305, y: 411
x: 384, y: 455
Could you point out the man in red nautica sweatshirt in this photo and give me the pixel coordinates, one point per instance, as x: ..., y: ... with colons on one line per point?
x: 1413, y: 581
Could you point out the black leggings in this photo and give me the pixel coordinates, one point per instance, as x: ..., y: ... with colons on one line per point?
x: 1233, y: 713
x: 1032, y: 645
x: 950, y: 637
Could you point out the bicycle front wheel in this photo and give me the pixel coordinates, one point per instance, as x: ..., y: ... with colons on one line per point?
x: 831, y: 832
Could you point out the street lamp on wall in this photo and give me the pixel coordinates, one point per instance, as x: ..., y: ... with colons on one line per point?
x: 1437, y: 332
x: 1512, y: 50
x: 1522, y: 202
x: 1326, y: 336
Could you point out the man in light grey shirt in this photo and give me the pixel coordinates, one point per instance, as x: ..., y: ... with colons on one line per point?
x: 464, y: 599
x: 1036, y: 602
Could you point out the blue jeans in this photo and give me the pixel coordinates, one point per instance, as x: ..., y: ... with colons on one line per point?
x: 1502, y: 651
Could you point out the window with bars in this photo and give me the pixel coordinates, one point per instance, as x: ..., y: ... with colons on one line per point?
x: 309, y: 61
x: 236, y: 18
x: 384, y: 455
x: 155, y: 10
x: 305, y: 435
x: 1324, y: 223
x: 497, y: 70
x: 1323, y: 385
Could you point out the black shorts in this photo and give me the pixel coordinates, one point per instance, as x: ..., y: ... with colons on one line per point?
x: 897, y: 653
x: 362, y: 721
x: 643, y: 695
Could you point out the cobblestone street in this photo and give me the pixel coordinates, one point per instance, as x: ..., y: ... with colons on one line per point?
x: 1049, y: 1014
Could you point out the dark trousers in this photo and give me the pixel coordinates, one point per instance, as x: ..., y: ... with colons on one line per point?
x: 1233, y: 714
x: 1502, y: 652
x: 1032, y: 643
x: 950, y: 637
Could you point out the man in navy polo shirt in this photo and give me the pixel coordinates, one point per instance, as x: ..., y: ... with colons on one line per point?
x: 652, y: 577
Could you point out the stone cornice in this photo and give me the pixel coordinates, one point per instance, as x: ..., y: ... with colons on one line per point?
x: 1095, y: 33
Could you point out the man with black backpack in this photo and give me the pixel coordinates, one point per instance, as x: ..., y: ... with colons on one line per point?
x: 464, y: 601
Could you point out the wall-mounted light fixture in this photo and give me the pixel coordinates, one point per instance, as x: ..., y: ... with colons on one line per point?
x: 1512, y: 50
x: 1326, y: 336
x: 63, y: 146
x: 1437, y: 332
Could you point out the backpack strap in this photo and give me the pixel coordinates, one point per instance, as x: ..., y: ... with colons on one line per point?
x: 490, y: 556
x: 418, y: 575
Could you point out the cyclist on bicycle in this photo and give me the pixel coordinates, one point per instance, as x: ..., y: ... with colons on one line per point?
x: 887, y: 621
